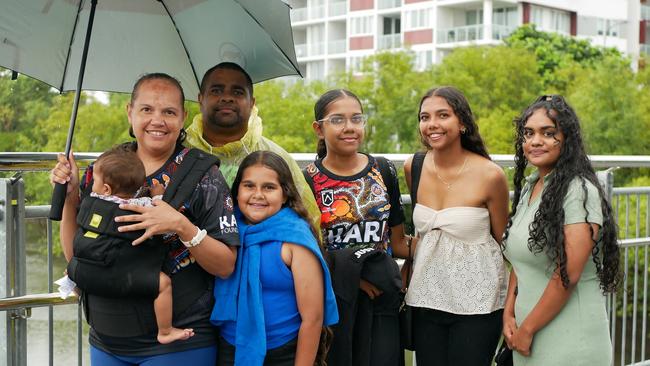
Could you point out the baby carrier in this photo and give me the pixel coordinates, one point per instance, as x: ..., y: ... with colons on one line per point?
x: 118, y: 280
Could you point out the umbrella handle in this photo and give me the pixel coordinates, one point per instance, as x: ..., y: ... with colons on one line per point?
x: 58, y: 200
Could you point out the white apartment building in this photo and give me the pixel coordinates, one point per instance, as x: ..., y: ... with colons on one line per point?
x: 335, y: 35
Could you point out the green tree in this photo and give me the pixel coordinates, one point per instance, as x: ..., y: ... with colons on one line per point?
x: 22, y: 102
x: 555, y: 51
x: 610, y: 104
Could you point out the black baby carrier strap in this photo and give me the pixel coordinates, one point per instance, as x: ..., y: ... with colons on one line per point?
x: 122, y: 309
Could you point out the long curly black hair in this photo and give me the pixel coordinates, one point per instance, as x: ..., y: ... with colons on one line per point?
x: 546, y: 230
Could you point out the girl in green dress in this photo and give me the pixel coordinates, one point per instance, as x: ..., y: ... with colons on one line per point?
x: 561, y: 242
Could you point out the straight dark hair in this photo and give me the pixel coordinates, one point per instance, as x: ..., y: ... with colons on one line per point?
x: 320, y: 110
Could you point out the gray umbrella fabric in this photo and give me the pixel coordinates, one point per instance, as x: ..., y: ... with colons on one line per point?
x: 44, y: 39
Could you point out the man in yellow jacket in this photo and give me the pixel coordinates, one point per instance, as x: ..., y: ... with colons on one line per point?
x: 230, y: 128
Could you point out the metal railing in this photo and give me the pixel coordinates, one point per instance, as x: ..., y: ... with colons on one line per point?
x: 628, y: 309
x: 336, y: 46
x: 389, y: 4
x: 466, y: 33
x: 500, y: 32
x: 389, y: 41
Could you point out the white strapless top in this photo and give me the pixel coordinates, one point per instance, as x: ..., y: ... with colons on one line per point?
x: 458, y: 266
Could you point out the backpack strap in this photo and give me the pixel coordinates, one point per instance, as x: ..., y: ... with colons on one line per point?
x: 386, y: 174
x: 189, y: 173
x: 309, y: 177
x: 416, y: 171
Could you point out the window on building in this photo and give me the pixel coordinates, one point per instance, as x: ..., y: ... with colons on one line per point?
x: 551, y: 19
x: 474, y: 17
x: 391, y: 25
x: 361, y: 25
x: 609, y: 27
x: 418, y: 18
x: 505, y: 16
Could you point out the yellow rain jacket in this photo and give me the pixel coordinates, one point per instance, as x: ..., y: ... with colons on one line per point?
x: 232, y: 154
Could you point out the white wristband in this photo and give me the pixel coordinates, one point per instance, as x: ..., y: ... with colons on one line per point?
x: 200, y: 234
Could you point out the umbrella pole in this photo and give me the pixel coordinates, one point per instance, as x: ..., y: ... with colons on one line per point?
x: 59, y: 193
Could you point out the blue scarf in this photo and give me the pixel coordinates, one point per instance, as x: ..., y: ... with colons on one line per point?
x: 239, y: 297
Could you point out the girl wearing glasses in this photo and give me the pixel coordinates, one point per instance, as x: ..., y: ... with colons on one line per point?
x: 460, y: 200
x: 361, y: 212
x: 561, y: 241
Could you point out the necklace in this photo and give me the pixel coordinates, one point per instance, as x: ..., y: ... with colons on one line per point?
x: 448, y: 184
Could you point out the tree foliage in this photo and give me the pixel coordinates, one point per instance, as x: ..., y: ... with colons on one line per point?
x: 555, y: 51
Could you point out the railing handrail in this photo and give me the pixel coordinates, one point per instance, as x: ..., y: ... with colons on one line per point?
x: 30, y: 161
x: 35, y: 301
x: 54, y: 299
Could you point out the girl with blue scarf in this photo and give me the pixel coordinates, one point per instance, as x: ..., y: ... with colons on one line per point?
x: 273, y: 308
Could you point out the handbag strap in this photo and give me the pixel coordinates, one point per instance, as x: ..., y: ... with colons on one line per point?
x: 409, y: 263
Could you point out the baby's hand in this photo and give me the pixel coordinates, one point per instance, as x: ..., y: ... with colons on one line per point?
x: 157, y: 190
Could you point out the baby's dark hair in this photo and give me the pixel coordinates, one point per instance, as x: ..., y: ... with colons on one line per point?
x: 122, y: 170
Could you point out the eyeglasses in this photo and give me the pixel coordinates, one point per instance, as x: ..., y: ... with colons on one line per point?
x: 358, y: 120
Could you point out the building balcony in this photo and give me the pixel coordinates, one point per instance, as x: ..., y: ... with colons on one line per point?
x: 389, y: 4
x: 499, y: 32
x: 338, y: 8
x: 389, y: 41
x: 310, y: 49
x: 645, y: 12
x: 308, y: 13
x: 466, y: 33
x: 336, y: 46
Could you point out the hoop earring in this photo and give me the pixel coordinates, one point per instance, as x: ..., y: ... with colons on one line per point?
x: 463, y: 130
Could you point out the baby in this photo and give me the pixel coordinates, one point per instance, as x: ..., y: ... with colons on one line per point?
x: 118, y: 175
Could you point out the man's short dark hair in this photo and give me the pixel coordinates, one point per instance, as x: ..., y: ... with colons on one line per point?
x: 227, y: 66
x: 122, y: 170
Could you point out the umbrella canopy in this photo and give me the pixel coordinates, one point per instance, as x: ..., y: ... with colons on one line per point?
x: 44, y: 39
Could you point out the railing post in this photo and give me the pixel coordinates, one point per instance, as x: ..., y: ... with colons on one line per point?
x: 606, y: 179
x: 13, y: 331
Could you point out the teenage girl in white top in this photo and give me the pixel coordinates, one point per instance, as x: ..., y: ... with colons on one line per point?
x: 459, y: 281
